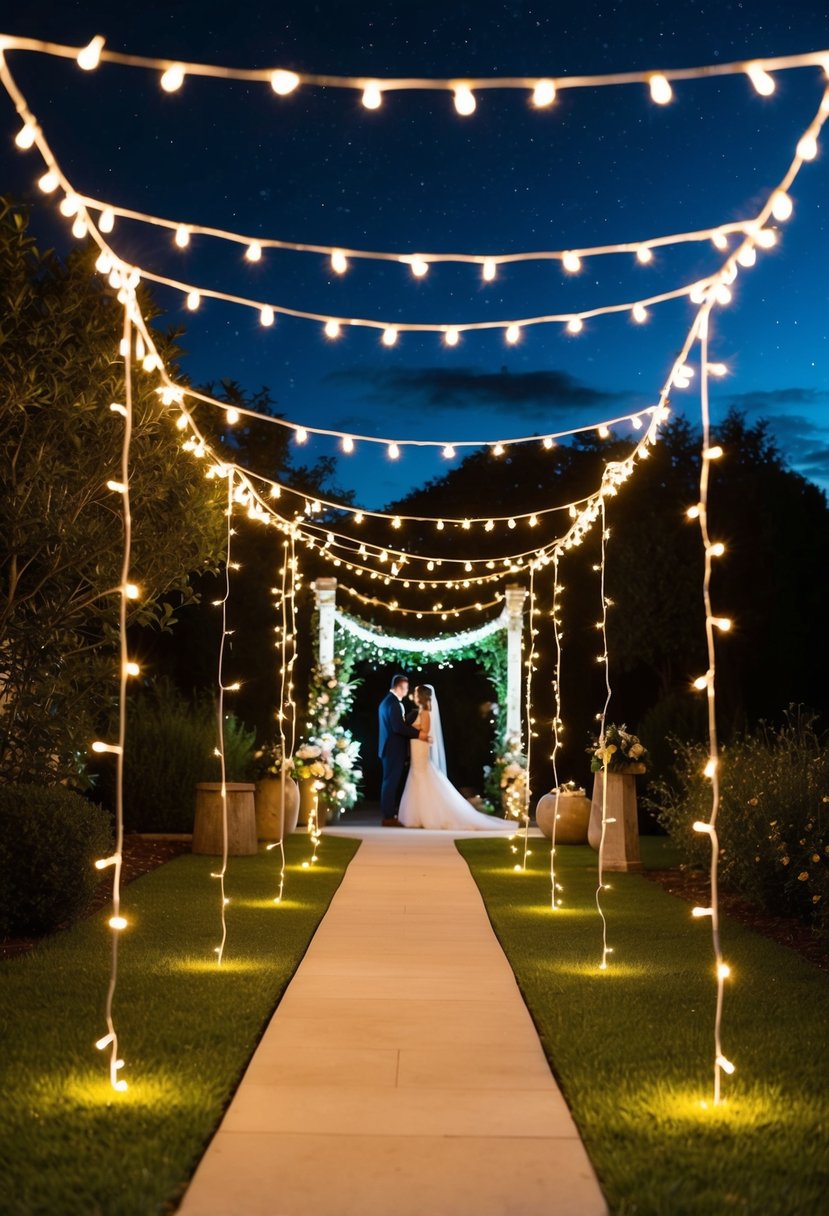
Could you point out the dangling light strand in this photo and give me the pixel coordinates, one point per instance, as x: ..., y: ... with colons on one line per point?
x: 220, y: 722
x: 606, y: 950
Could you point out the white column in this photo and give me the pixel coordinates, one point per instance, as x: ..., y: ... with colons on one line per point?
x: 326, y: 593
x: 515, y: 597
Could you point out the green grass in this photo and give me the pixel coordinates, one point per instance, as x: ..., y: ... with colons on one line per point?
x: 187, y: 1028
x: 632, y: 1047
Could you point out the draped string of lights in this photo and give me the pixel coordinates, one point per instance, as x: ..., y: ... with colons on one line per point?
x: 528, y: 714
x: 604, y: 658
x: 438, y: 610
x: 126, y: 591
x: 280, y: 716
x: 542, y: 90
x: 557, y: 725
x: 220, y: 725
x: 713, y: 624
x: 434, y: 647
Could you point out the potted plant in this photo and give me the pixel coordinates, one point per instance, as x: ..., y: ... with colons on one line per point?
x: 569, y: 807
x: 276, y: 796
x: 617, y: 757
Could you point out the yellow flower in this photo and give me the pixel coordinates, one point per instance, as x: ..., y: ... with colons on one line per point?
x: 803, y: 876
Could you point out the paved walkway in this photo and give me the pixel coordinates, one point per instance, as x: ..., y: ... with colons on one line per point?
x: 401, y: 1074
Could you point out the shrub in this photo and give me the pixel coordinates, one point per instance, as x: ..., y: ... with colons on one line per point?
x: 773, y: 821
x: 49, y: 838
x: 170, y: 746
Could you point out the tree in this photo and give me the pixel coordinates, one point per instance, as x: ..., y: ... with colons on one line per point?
x: 61, y: 530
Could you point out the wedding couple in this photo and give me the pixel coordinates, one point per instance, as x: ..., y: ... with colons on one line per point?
x: 429, y: 798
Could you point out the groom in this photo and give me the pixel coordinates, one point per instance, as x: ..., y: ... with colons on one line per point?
x: 393, y: 749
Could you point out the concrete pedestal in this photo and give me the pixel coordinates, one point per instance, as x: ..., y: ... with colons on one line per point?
x: 621, y: 842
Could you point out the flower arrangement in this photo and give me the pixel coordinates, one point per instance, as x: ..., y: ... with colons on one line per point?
x: 331, y: 761
x: 268, y: 761
x: 622, y: 752
x: 506, y: 780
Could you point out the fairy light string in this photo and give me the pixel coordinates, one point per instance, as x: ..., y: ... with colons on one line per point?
x: 220, y: 724
x: 710, y: 453
x: 604, y: 658
x: 557, y: 725
x: 126, y: 591
x: 528, y: 683
x: 280, y: 717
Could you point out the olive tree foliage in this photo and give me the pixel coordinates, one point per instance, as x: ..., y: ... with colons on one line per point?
x: 61, y: 528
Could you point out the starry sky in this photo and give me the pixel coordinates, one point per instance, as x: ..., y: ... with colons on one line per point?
x: 599, y: 166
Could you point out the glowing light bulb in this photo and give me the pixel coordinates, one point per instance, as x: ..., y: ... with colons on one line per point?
x: 173, y: 78
x: 697, y: 293
x: 548, y: 442
x: 339, y: 262
x: 759, y: 77
x: 182, y: 237
x: 781, y: 205
x: 639, y: 313
x: 89, y: 58
x: 725, y: 1064
x: 448, y: 452
x: 604, y: 432
x: 107, y: 221
x: 231, y: 416
x: 533, y: 521
x: 723, y: 294
x: 193, y: 300
x: 704, y: 828
x: 513, y: 334
x: 450, y: 337
x: 700, y: 912
x: 766, y: 238
x: 372, y: 96
x: 717, y: 549
x: 807, y: 147
x: 440, y: 525
x: 117, y: 487
x: 131, y: 591
x: 49, y: 182
x: 719, y: 240
x: 332, y: 329
x: 283, y: 82
x: 571, y: 262
x: 544, y: 93
x: 69, y: 205
x: 661, y: 91
x: 132, y: 669
x: 723, y: 623
x: 717, y: 369
x: 419, y: 266
x: 510, y: 523
x: 464, y: 100
x: 747, y: 256
x: 644, y: 254
x: 25, y: 137
x: 575, y: 325
x: 389, y: 336
x: 117, y: 922
x: 266, y: 316
x: 713, y: 453
x: 636, y: 422
x: 79, y: 228
x: 710, y: 768
x: 253, y: 253
x: 103, y: 263
x: 397, y: 522
x: 301, y: 435
x: 488, y: 270
x: 348, y: 443
x: 723, y: 971
x: 693, y: 512
x: 393, y: 451
x: 498, y: 449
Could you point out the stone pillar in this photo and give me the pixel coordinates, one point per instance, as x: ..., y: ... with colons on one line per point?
x: 515, y: 597
x: 621, y: 840
x: 326, y: 593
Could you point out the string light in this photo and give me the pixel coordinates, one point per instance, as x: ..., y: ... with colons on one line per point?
x: 465, y: 102
x: 571, y: 262
x: 513, y: 334
x: 182, y: 237
x: 339, y: 262
x: 49, y: 182
x: 661, y: 91
x: 389, y: 336
x: 781, y: 206
x: 557, y: 728
x: 488, y: 270
x: 90, y: 56
x: 332, y: 329
x: 283, y: 82
x: 173, y: 78
x: 266, y: 317
x: 605, y: 660
x: 544, y: 93
x: 759, y: 77
x: 26, y: 136
x: 253, y: 253
x: 220, y: 714
x: 372, y: 96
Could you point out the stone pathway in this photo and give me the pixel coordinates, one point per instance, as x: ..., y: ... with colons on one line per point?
x: 401, y: 1074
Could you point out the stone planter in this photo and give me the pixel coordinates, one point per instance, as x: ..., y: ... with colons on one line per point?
x: 241, y: 819
x: 573, y: 816
x: 269, y: 800
x: 621, y: 842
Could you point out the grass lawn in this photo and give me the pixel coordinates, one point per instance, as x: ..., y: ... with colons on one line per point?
x: 632, y: 1047
x: 187, y: 1029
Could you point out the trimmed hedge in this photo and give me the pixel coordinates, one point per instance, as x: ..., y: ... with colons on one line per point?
x: 49, y: 839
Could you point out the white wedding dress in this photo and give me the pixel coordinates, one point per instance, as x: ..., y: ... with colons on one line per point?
x: 430, y: 800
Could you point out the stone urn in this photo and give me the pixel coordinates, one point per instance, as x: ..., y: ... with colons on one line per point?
x: 268, y: 799
x: 621, y: 843
x: 573, y: 816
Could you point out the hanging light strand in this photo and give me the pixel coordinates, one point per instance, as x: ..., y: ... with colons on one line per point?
x: 220, y: 723
x: 605, y: 659
x: 283, y: 686
x: 556, y: 724
x: 530, y: 667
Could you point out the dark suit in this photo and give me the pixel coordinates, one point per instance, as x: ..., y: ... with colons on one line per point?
x: 393, y: 750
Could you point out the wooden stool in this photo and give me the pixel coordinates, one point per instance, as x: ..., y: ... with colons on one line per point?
x: 241, y: 818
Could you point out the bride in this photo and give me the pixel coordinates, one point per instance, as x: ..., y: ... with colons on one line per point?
x: 429, y: 798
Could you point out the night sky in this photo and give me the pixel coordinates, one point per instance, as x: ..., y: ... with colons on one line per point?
x: 603, y: 165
